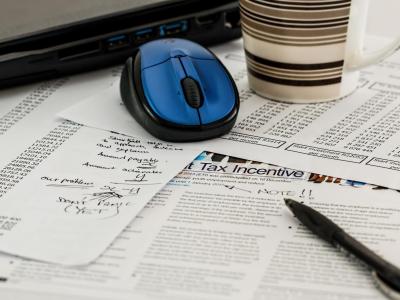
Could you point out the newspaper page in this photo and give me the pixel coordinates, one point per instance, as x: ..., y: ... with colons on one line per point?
x: 220, y: 230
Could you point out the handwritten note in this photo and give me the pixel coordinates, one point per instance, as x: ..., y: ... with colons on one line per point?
x: 73, y: 205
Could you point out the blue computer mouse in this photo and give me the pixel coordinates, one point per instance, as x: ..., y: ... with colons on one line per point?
x: 179, y: 91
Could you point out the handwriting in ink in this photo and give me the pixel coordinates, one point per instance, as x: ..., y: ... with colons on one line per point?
x: 103, y: 146
x: 306, y: 194
x: 87, y: 164
x: 232, y: 187
x: 67, y: 182
x: 269, y: 192
x: 138, y: 178
x: 106, y: 201
x: 163, y: 146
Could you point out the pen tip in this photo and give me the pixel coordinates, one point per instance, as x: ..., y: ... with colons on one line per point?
x: 288, y: 202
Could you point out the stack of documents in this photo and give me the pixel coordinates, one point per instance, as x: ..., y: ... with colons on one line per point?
x: 356, y: 137
x: 116, y: 214
x: 219, y: 230
x: 67, y: 190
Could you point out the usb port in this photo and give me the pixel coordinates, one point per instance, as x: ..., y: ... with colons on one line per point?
x: 117, y: 42
x: 144, y: 34
x: 174, y: 28
x: 208, y: 19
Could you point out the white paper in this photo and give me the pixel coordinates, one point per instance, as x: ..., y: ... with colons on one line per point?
x: 72, y: 206
x: 356, y: 137
x: 220, y: 230
x: 67, y: 191
x: 27, y: 113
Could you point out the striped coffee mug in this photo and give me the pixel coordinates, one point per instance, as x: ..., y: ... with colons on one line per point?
x: 306, y: 51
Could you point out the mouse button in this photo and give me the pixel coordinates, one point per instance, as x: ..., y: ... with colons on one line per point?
x: 192, y: 92
x: 178, y: 69
x: 219, y: 95
x: 164, y: 95
x: 153, y: 53
x: 176, y: 52
x: 190, y: 70
x: 192, y: 49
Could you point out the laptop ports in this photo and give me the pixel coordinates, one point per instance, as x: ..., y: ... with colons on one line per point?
x: 232, y: 19
x: 174, y: 28
x: 143, y: 35
x: 116, y: 42
x: 207, y: 20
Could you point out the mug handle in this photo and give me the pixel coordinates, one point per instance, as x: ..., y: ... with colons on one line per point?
x: 361, y: 60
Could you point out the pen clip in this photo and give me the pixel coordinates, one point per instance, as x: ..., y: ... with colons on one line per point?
x: 385, y: 288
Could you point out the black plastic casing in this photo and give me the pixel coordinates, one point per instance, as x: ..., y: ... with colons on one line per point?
x: 133, y: 96
x: 208, y: 24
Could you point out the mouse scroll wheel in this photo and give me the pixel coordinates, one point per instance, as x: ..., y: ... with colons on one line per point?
x: 192, y: 92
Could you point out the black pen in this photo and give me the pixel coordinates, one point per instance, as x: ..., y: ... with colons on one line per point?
x: 386, y: 274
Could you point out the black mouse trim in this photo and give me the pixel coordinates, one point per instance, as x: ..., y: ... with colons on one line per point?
x: 132, y: 92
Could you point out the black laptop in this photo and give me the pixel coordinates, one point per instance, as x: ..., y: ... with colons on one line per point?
x: 43, y: 39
